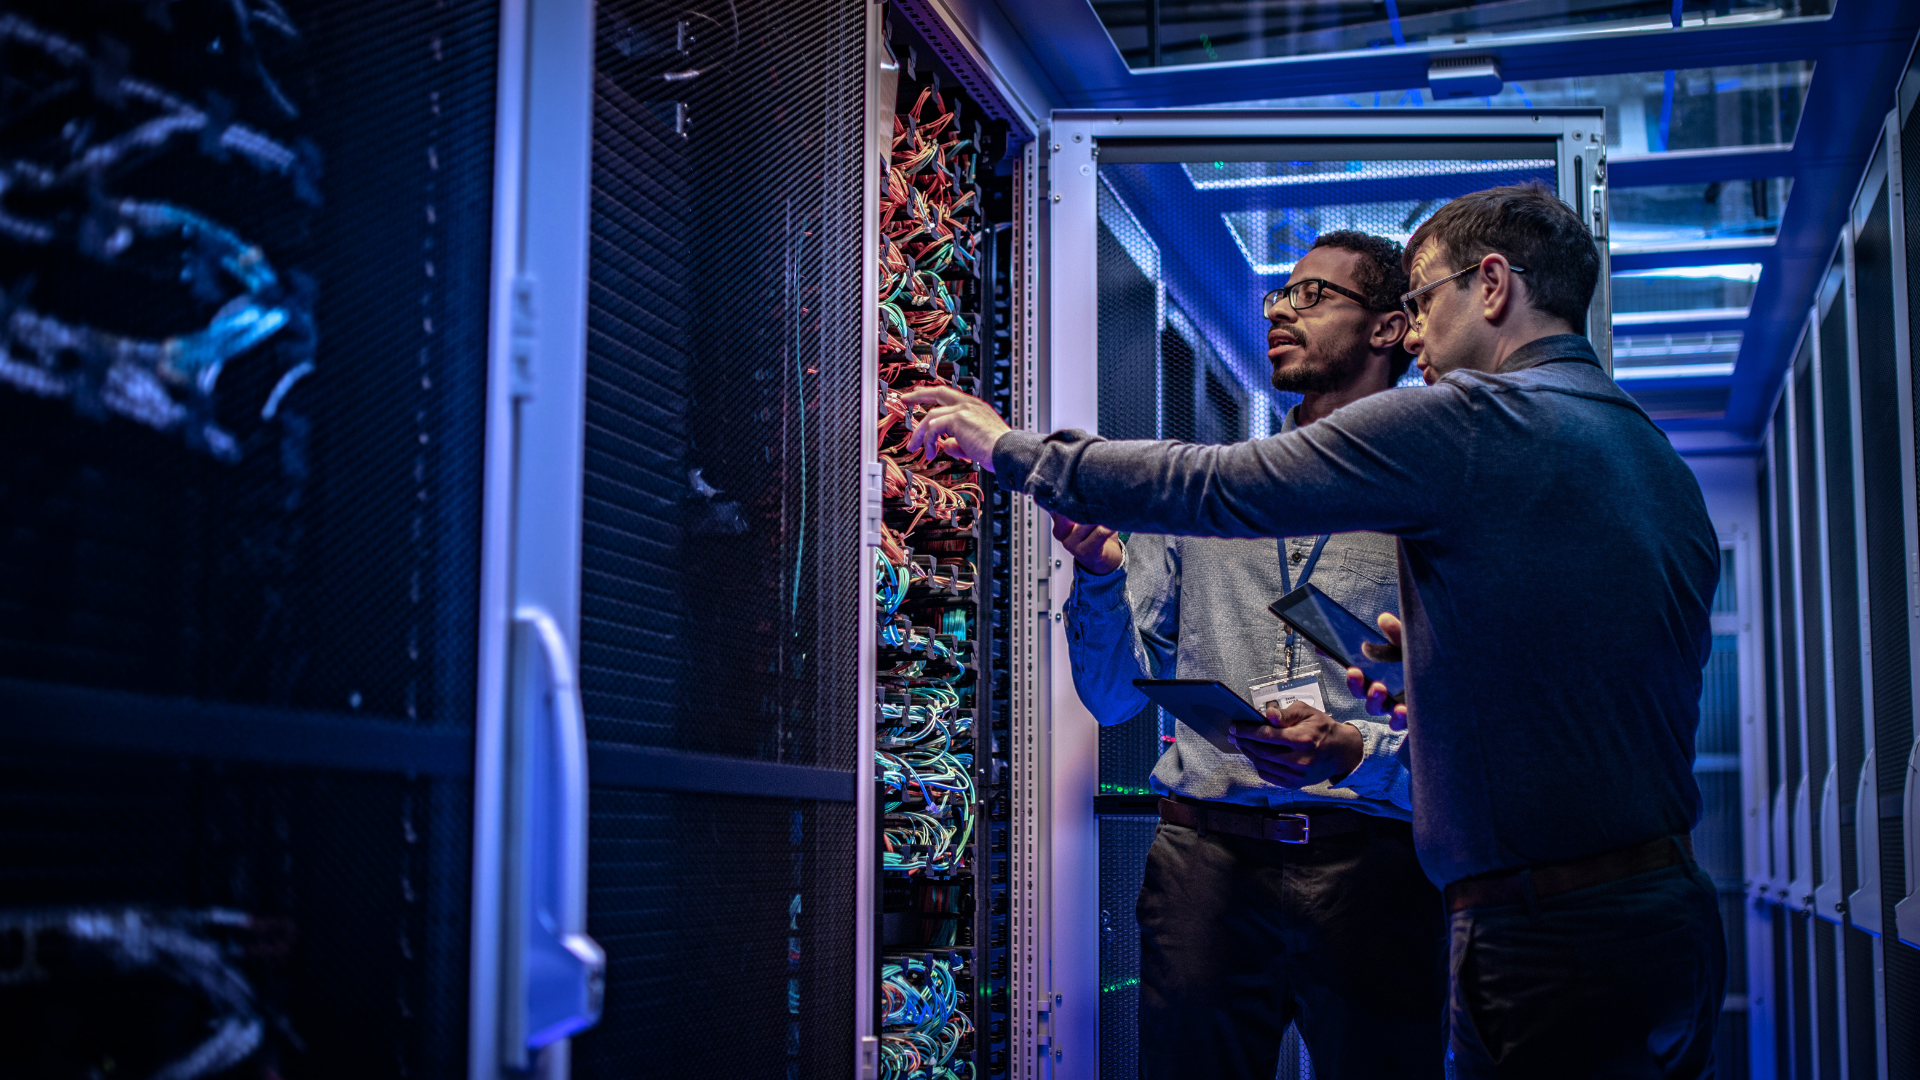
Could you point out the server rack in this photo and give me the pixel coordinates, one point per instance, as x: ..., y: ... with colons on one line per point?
x: 950, y: 232
x: 260, y: 587
x: 1838, y: 488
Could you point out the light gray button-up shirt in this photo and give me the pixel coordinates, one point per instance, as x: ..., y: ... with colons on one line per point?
x: 1193, y: 607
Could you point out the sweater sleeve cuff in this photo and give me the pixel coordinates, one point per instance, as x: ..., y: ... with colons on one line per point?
x: 1014, y: 456
x: 1379, y: 771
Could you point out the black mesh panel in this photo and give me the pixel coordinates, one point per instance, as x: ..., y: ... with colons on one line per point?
x: 1873, y: 283
x: 1788, y: 639
x: 720, y: 573
x: 728, y: 925
x: 723, y: 389
x: 1812, y: 582
x: 1123, y: 859
x: 305, y: 532
x: 241, y: 432
x: 1128, y: 331
x: 1769, y: 667
x: 346, y: 900
x: 1826, y: 976
x: 1887, y: 619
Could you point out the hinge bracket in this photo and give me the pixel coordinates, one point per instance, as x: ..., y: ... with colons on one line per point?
x: 522, y: 333
x: 871, y: 503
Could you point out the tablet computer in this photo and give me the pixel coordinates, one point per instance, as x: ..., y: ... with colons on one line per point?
x: 1204, y: 705
x: 1338, y: 633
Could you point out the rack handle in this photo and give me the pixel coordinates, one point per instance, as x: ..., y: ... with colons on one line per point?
x: 563, y: 970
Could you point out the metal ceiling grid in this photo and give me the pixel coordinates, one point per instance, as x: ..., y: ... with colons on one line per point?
x: 1859, y: 53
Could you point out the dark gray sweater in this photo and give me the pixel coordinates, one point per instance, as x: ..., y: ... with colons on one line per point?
x: 1556, y: 571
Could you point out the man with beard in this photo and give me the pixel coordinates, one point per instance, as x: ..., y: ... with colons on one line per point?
x: 1282, y: 884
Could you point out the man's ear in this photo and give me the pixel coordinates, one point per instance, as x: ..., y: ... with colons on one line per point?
x: 1389, y: 330
x: 1498, y: 289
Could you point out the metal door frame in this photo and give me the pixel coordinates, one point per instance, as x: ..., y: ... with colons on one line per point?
x: 535, y: 369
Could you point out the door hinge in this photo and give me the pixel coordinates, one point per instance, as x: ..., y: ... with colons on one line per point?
x: 869, y: 1057
x: 1044, y: 1027
x: 872, y: 502
x: 522, y: 331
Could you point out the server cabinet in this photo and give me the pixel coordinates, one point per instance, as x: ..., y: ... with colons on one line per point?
x: 1132, y: 195
x: 715, y: 560
x: 244, y: 401
x: 1839, y: 526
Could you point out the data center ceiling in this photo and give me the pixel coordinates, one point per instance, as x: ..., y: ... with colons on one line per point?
x: 1737, y: 130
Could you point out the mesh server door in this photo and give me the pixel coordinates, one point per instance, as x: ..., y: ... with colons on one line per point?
x: 1167, y: 229
x: 244, y: 249
x: 719, y: 582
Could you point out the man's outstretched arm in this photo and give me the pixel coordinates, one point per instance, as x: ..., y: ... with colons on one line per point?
x: 1388, y: 463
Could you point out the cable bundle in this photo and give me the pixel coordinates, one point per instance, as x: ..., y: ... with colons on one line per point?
x: 921, y: 758
x: 924, y: 1021
x: 925, y: 752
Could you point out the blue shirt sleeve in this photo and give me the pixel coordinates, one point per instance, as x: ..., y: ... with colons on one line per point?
x: 1124, y: 626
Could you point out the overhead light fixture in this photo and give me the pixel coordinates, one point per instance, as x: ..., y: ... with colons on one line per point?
x: 1463, y: 77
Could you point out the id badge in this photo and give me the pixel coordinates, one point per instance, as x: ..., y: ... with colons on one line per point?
x: 1281, y: 692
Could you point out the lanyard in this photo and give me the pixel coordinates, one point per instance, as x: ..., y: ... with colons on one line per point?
x: 1306, y: 571
x: 1286, y: 583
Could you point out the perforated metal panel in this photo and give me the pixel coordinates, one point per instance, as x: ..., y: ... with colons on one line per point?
x: 340, y: 902
x: 293, y: 522
x: 1811, y: 578
x: 722, y: 436
x: 719, y: 586
x: 728, y: 925
x: 1123, y: 858
x: 241, y: 426
x: 1887, y: 616
x: 1763, y: 485
x: 1787, y: 637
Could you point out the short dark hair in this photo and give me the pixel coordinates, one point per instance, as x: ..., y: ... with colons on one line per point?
x: 1534, y: 229
x: 1381, y: 275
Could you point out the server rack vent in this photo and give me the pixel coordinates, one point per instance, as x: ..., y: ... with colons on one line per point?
x: 246, y: 258
x: 1892, y: 682
x: 240, y: 421
x: 720, y: 573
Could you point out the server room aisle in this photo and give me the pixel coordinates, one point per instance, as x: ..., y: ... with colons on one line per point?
x: 466, y: 610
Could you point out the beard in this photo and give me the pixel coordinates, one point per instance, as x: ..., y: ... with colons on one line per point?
x: 1319, y: 370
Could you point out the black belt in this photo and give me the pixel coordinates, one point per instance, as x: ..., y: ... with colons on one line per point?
x: 1262, y: 824
x: 1552, y: 879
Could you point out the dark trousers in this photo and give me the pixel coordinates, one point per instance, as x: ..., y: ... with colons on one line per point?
x: 1240, y: 937
x: 1620, y: 980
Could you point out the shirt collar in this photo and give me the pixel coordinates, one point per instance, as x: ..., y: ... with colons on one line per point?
x: 1548, y: 349
x: 1290, y: 421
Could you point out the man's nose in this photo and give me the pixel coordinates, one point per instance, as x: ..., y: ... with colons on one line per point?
x: 1413, y: 339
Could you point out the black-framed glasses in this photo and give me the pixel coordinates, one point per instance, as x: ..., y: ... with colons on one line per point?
x: 1305, y: 293
x: 1408, y: 302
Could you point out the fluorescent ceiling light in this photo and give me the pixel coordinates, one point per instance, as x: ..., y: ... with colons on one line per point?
x: 1377, y: 170
x: 1643, y: 318
x: 1747, y: 272
x: 1673, y: 371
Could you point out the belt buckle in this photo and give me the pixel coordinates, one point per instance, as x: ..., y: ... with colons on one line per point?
x: 1290, y: 828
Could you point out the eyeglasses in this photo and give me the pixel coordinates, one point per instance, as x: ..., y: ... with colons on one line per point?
x: 1408, y: 302
x: 1305, y: 293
